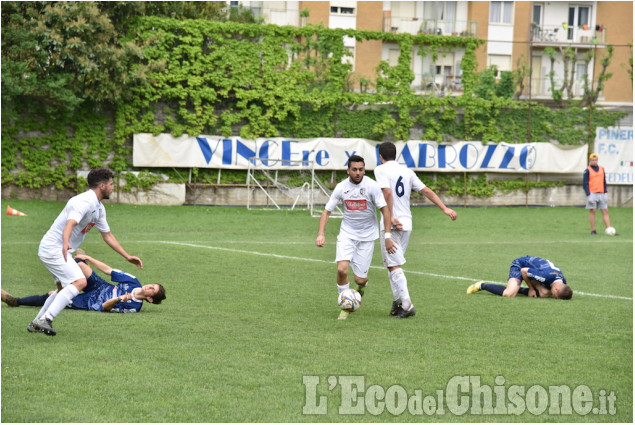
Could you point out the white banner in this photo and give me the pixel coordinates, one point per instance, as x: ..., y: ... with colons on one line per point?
x: 614, y: 146
x: 165, y: 150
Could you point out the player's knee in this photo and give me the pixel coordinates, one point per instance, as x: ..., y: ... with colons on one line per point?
x: 509, y: 294
x: 80, y: 284
x: 361, y: 280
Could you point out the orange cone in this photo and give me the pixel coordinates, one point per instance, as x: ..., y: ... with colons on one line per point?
x: 13, y: 211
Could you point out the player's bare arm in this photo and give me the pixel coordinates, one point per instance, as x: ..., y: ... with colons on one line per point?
x: 387, y: 214
x: 108, y: 305
x: 103, y: 267
x: 112, y: 242
x: 66, y: 236
x: 434, y: 198
x: 536, y: 290
x: 324, y: 218
x: 387, y: 192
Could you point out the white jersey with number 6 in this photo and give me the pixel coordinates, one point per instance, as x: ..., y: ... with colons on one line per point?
x: 401, y: 180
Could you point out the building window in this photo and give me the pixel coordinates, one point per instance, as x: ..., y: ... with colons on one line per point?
x: 337, y: 10
x: 502, y: 62
x: 537, y: 15
x: 501, y: 12
x: 443, y: 70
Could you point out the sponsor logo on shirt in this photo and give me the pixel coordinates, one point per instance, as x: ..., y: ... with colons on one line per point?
x: 356, y: 204
x: 88, y: 227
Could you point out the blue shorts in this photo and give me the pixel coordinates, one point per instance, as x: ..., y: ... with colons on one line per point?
x: 97, y: 292
x: 514, y: 270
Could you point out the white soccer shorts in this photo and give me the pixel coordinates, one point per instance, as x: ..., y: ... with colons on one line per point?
x: 359, y: 253
x: 401, y: 239
x: 65, y: 272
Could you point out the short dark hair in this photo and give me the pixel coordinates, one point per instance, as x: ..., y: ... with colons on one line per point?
x: 159, y: 296
x: 355, y: 158
x: 388, y: 151
x: 96, y: 176
x: 565, y: 293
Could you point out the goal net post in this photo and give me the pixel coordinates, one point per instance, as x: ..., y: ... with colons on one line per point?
x: 276, y: 184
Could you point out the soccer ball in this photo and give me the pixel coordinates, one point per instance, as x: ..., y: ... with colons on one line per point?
x: 610, y: 231
x: 349, y: 300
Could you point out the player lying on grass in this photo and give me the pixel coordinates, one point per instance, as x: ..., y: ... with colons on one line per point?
x: 126, y: 296
x: 542, y: 277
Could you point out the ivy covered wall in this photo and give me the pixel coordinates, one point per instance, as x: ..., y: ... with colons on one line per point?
x: 225, y: 78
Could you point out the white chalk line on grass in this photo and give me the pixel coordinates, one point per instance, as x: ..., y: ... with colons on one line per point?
x: 315, y: 260
x: 412, y: 243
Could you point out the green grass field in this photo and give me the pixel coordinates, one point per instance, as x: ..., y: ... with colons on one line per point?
x: 248, y: 332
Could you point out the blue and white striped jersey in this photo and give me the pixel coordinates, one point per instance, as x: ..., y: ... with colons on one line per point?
x: 98, y: 291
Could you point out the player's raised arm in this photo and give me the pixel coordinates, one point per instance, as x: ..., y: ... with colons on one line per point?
x: 103, y: 267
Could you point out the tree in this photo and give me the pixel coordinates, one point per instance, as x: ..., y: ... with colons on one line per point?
x: 60, y: 54
x: 520, y: 74
x: 556, y: 94
x: 506, y: 86
x: 591, y: 94
x: 486, y: 85
x: 123, y: 13
x: 569, y: 60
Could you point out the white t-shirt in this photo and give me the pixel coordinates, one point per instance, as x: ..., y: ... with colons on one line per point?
x: 360, y: 202
x: 401, y: 180
x: 87, y: 211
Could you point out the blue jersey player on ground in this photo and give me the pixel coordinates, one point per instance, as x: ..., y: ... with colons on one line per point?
x: 125, y: 296
x: 543, y: 278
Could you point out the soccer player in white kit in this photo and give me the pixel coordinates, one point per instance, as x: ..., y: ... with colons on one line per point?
x: 397, y: 182
x: 82, y: 213
x: 360, y: 197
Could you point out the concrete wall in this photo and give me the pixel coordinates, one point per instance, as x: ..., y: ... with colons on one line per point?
x: 237, y: 195
x: 161, y: 194
x: 568, y: 195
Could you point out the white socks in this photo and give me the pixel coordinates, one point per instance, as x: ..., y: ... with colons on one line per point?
x: 46, y: 305
x: 396, y: 296
x: 60, y: 302
x: 342, y: 288
x: 399, y: 283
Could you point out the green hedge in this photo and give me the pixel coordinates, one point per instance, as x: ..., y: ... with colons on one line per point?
x: 236, y: 79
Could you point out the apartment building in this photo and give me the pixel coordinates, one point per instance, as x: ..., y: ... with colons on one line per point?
x: 517, y: 33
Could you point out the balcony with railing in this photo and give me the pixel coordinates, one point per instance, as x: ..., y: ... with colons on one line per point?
x: 449, y: 27
x: 414, y: 26
x: 565, y: 35
x: 440, y: 85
